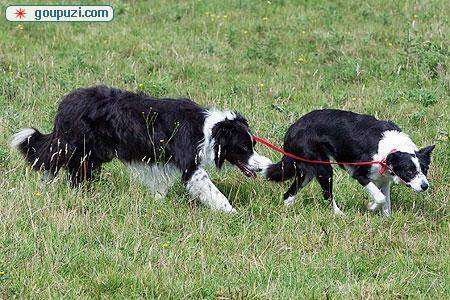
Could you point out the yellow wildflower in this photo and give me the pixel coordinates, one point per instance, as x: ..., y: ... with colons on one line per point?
x: 300, y: 60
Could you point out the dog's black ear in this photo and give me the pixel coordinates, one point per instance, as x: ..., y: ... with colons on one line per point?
x: 427, y: 151
x: 424, y: 156
x: 221, y: 132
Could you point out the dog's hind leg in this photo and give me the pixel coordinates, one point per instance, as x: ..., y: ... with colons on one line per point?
x: 325, y: 178
x: 47, y: 177
x: 301, y: 180
x: 82, y: 170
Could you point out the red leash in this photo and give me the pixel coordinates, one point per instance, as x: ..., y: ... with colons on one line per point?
x: 382, y: 162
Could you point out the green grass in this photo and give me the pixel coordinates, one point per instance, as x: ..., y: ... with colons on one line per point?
x: 272, y: 61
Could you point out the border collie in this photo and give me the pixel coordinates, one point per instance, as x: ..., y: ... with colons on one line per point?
x: 158, y: 139
x: 349, y: 137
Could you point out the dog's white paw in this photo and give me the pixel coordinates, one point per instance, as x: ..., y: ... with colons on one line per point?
x: 373, y: 206
x: 338, y: 213
x: 289, y: 201
x: 386, y: 211
x: 336, y: 210
x: 159, y: 196
x: 232, y: 210
x: 228, y: 209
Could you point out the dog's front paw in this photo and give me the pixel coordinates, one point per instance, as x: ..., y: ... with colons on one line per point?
x: 228, y: 209
x: 373, y: 206
x: 232, y: 210
x: 159, y: 196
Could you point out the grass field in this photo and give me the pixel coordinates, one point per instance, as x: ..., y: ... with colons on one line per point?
x: 273, y: 61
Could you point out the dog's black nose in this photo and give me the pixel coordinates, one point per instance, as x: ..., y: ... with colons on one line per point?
x: 424, y: 186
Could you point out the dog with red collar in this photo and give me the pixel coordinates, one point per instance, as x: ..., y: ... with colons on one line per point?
x: 367, y: 145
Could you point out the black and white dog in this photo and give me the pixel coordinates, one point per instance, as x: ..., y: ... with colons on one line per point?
x: 158, y: 139
x: 349, y: 137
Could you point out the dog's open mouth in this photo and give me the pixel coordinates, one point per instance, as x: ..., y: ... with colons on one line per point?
x: 245, y: 169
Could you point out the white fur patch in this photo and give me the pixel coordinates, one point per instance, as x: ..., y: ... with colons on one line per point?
x: 415, y: 161
x: 417, y: 182
x: 377, y: 196
x: 200, y: 186
x: 157, y: 177
x: 20, y: 137
x: 258, y: 162
x: 207, y: 146
x: 336, y: 210
x: 289, y: 201
x: 393, y: 139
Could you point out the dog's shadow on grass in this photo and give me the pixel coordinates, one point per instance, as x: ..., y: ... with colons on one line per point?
x: 399, y: 203
x: 242, y: 192
x: 239, y: 195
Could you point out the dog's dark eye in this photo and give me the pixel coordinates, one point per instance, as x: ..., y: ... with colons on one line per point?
x: 411, y: 171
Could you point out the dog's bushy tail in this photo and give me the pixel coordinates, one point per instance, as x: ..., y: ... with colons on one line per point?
x: 43, y: 152
x: 281, y: 171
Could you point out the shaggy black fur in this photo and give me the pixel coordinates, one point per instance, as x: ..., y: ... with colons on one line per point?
x: 342, y: 136
x: 95, y: 125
